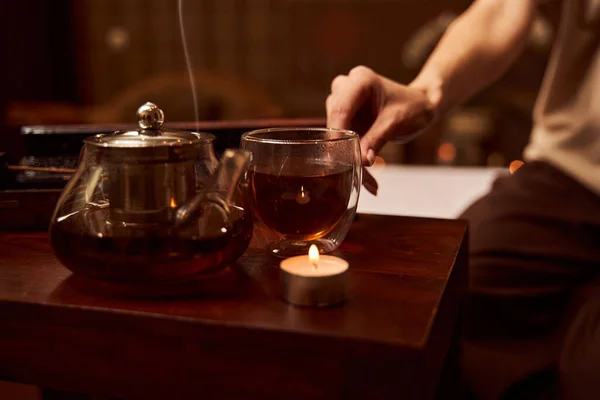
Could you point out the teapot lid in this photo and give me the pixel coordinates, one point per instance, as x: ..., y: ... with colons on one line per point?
x: 150, y: 142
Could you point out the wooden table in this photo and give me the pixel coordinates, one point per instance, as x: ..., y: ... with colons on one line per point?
x: 239, y: 339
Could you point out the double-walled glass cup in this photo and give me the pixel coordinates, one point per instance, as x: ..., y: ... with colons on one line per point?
x: 304, y: 185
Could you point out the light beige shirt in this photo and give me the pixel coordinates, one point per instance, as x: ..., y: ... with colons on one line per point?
x: 566, y: 129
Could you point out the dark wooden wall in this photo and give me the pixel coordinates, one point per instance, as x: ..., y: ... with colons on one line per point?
x: 37, y: 49
x: 95, y: 61
x: 37, y: 63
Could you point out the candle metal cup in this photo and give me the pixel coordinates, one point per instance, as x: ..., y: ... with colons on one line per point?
x: 315, y: 290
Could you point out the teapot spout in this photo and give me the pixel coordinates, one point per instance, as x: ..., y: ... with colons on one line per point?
x: 220, y: 187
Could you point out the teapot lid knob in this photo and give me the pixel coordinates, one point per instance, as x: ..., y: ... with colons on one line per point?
x: 150, y: 116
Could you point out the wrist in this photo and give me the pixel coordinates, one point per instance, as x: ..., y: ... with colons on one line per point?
x: 432, y: 89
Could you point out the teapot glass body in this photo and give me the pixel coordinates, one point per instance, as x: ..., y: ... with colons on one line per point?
x: 152, y: 207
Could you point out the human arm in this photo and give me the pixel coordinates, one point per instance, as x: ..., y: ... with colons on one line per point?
x: 477, y: 48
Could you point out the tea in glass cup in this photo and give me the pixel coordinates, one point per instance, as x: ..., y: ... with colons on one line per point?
x: 304, y: 184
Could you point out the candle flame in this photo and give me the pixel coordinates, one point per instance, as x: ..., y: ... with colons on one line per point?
x: 172, y: 203
x: 313, y: 255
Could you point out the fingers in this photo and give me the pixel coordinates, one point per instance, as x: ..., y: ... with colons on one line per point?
x: 377, y: 136
x: 378, y: 107
x: 348, y: 95
x: 369, y: 182
x: 402, y: 122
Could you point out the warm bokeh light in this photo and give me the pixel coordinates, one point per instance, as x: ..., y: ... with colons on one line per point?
x: 447, y: 152
x: 515, y: 165
x: 379, y: 162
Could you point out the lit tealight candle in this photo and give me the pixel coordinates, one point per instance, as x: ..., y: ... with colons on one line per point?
x: 314, y: 280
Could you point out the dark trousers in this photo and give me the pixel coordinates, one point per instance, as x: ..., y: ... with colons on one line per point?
x: 533, y: 321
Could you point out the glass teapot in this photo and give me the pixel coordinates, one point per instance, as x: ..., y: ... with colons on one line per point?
x: 152, y: 206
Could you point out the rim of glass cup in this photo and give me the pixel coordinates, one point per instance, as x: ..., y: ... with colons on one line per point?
x: 250, y: 136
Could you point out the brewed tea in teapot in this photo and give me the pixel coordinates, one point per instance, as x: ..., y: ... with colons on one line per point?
x: 152, y: 205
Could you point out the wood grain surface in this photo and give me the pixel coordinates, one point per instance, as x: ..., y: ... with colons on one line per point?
x: 234, y: 337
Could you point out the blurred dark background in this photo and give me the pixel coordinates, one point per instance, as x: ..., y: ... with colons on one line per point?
x: 96, y: 61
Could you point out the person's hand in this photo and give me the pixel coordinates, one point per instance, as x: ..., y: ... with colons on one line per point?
x: 379, y: 109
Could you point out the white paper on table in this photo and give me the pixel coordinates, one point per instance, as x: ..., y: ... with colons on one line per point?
x: 426, y: 191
